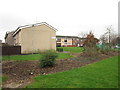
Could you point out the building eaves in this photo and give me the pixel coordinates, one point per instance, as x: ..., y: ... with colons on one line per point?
x: 32, y: 25
x: 66, y: 36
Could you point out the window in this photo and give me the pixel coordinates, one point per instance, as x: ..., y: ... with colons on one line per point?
x: 65, y: 40
x: 58, y: 40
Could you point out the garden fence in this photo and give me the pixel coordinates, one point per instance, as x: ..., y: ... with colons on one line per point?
x: 10, y: 50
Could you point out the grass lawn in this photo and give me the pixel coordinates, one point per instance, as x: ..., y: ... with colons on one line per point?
x: 72, y: 49
x: 37, y: 56
x: 33, y: 57
x: 3, y: 79
x: 102, y: 74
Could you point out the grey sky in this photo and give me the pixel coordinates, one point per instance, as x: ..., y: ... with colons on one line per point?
x: 68, y: 16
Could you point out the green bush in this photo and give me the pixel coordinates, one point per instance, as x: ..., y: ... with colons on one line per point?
x: 91, y: 51
x: 48, y: 58
x: 60, y: 49
x: 105, y: 50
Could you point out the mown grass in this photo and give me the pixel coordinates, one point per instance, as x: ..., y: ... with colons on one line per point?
x: 102, y: 74
x: 64, y: 56
x: 34, y: 57
x: 3, y: 79
x: 72, y: 49
x: 38, y: 56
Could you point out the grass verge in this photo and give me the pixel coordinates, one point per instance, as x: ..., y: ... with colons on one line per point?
x: 34, y: 57
x: 72, y: 49
x: 102, y: 74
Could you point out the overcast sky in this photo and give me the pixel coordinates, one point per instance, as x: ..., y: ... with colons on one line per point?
x: 69, y: 17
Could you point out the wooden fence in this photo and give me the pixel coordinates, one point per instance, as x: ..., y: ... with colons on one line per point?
x: 10, y: 50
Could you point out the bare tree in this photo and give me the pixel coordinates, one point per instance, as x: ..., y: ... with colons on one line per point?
x: 115, y: 40
x: 109, y: 36
x: 103, y: 38
x: 109, y: 31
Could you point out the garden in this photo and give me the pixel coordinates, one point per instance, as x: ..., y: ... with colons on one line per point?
x: 69, y: 67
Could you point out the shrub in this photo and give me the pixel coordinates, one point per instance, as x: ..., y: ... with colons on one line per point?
x: 48, y: 58
x: 90, y: 48
x: 91, y: 51
x: 105, y: 49
x: 60, y: 49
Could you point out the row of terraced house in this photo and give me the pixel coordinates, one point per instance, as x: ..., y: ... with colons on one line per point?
x: 69, y: 41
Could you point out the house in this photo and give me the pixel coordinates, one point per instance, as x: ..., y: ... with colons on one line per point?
x: 69, y: 41
x: 9, y: 38
x: 33, y: 38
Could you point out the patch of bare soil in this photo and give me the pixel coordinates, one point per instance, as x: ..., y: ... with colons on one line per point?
x: 20, y: 73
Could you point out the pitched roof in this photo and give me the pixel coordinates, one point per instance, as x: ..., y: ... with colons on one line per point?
x: 69, y: 36
x: 31, y: 25
x: 66, y: 36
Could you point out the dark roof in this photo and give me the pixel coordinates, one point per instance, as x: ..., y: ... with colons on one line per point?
x: 69, y: 36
